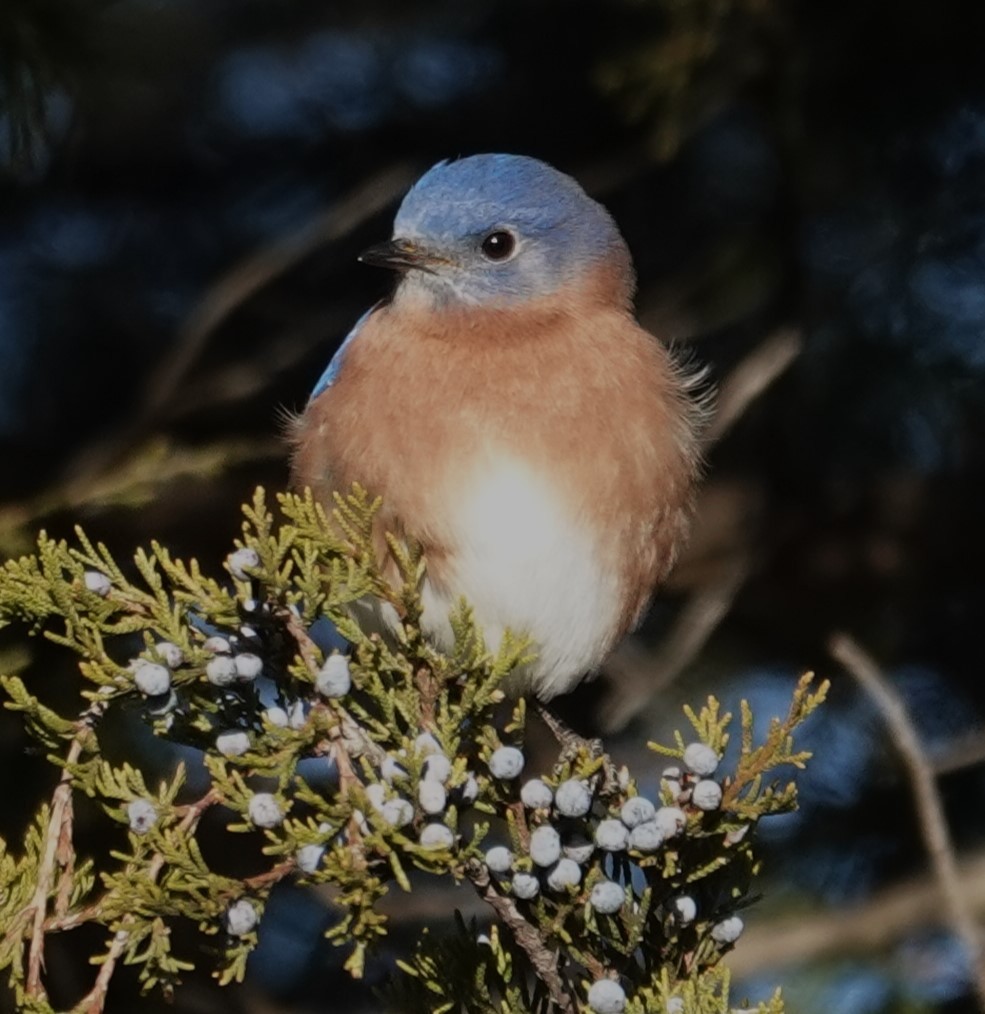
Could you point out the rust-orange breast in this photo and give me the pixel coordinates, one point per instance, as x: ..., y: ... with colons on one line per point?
x: 571, y: 389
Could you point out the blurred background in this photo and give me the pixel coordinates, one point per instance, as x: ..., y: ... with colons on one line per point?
x: 184, y: 189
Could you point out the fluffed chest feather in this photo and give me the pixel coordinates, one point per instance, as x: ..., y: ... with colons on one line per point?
x: 545, y: 478
x: 526, y: 563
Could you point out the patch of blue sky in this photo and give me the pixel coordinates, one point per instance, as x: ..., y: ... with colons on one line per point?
x: 933, y: 967
x: 257, y: 94
x: 75, y: 236
x: 345, y: 81
x: 434, y: 72
x: 959, y: 140
x: 738, y: 139
x: 849, y: 987
x: 273, y: 206
x: 294, y: 922
x: 342, y: 82
x: 840, y: 738
x: 949, y: 294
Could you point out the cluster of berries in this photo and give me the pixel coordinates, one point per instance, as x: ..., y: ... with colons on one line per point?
x: 398, y: 803
x: 235, y: 660
x: 567, y: 835
x: 569, y: 830
x: 568, y: 825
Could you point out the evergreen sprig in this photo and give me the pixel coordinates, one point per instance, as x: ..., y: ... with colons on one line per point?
x: 597, y: 897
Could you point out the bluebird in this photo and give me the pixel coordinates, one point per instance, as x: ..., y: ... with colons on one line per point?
x: 517, y: 421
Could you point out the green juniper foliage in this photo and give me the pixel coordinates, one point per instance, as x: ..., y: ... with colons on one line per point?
x: 598, y: 899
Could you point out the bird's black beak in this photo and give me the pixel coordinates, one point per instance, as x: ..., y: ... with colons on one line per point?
x: 399, y: 255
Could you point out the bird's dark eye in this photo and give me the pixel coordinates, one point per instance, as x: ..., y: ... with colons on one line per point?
x: 497, y: 246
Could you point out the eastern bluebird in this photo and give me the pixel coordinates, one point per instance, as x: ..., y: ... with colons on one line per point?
x: 513, y: 415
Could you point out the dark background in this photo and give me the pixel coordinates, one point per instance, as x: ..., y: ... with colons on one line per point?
x: 184, y: 188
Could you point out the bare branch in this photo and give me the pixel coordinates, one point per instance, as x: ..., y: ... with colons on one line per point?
x: 224, y: 297
x: 872, y: 926
x: 543, y: 960
x: 95, y: 1000
x: 637, y: 674
x: 751, y: 378
x: 58, y: 823
x: 351, y: 740
x: 933, y: 824
x: 252, y: 274
x: 962, y: 752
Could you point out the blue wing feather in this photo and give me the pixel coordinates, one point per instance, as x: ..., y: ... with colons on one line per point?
x: 334, y: 367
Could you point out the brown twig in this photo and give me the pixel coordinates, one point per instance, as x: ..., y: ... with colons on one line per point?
x: 95, y: 1000
x: 233, y: 289
x: 348, y: 779
x: 65, y: 857
x: 570, y: 742
x: 572, y: 745
x: 870, y: 927
x: 352, y: 738
x: 542, y: 959
x: 272, y: 876
x: 61, y: 815
x: 930, y: 811
x: 309, y: 651
x: 258, y: 271
x: 429, y: 693
x: 962, y: 752
x: 60, y: 923
x: 349, y: 738
x: 637, y: 675
x: 58, y: 851
x: 750, y: 379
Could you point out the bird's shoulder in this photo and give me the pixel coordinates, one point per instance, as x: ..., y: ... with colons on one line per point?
x: 334, y: 368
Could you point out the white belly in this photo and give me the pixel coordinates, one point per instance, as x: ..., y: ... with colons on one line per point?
x: 524, y: 563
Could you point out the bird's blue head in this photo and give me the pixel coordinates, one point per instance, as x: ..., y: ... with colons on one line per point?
x: 500, y: 229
